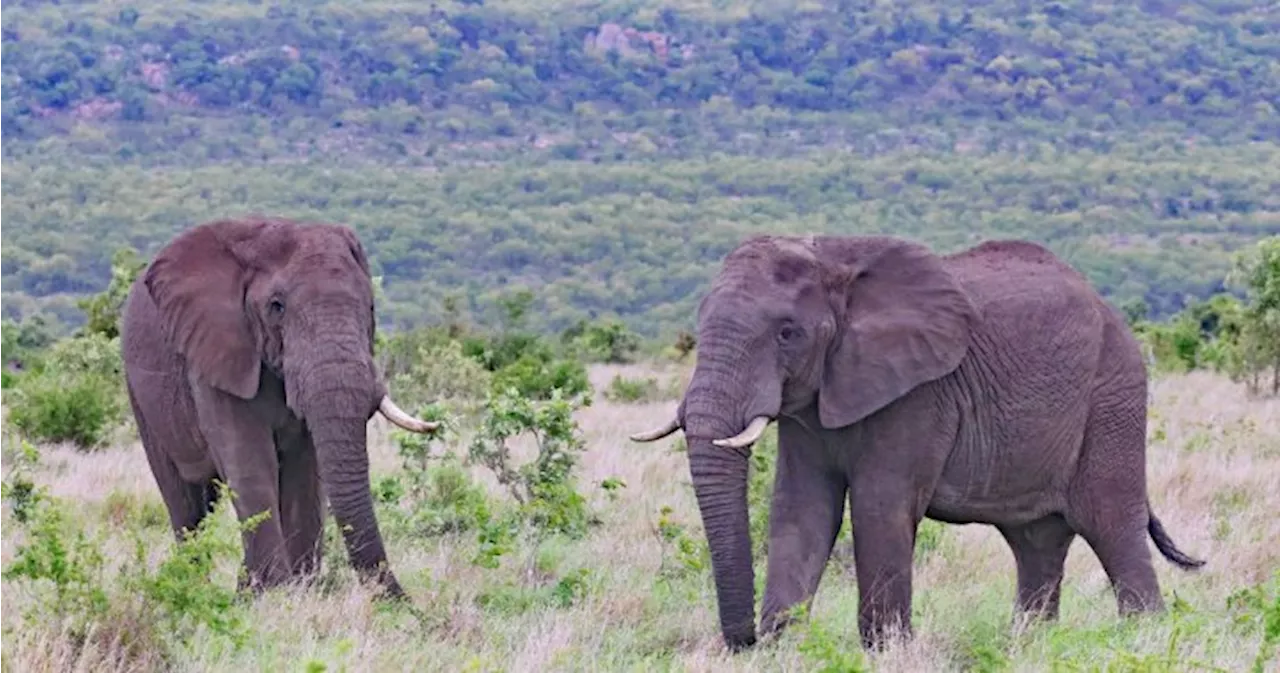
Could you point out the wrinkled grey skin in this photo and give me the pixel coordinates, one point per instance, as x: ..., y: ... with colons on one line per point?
x: 990, y: 386
x: 248, y: 354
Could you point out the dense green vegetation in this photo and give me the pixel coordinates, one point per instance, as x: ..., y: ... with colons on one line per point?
x: 1204, y: 64
x: 608, y: 154
x: 525, y: 547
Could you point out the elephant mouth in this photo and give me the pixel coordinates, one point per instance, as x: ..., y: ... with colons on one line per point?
x: 749, y: 435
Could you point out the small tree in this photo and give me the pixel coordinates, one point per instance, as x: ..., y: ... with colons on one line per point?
x: 1257, y: 270
x: 102, y: 310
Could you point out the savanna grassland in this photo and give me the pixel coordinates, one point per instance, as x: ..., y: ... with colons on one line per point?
x: 545, y: 189
x: 631, y: 594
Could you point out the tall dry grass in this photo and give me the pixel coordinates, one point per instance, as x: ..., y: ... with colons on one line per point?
x: 1214, y: 474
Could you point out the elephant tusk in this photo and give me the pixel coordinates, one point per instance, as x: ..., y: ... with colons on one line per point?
x: 659, y: 433
x: 400, y: 417
x: 746, y: 437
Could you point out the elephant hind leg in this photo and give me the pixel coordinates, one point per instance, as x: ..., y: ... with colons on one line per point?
x: 1108, y: 500
x: 188, y: 503
x: 1040, y: 551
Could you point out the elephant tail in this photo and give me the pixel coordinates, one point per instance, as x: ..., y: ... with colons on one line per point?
x: 1165, y: 544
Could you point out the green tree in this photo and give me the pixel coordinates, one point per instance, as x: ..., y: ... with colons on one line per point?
x: 103, y: 310
x: 1257, y: 270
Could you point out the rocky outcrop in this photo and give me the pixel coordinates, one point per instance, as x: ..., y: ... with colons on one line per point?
x: 629, y: 41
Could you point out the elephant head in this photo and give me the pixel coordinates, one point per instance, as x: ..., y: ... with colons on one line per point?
x: 237, y: 297
x: 846, y: 324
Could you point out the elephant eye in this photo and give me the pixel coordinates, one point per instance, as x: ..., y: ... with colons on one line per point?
x: 788, y: 333
x: 276, y: 307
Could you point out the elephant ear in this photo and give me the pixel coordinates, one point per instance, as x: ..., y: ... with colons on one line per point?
x: 905, y: 320
x: 198, y: 283
x: 357, y: 250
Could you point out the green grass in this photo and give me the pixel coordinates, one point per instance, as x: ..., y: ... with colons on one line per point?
x: 622, y: 599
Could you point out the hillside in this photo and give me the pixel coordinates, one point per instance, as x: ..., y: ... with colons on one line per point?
x: 609, y: 153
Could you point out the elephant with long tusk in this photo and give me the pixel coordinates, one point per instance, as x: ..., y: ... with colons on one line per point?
x: 993, y: 385
x: 248, y: 353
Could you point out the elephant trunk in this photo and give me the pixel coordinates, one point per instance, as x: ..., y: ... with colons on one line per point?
x: 719, y: 476
x: 337, y: 402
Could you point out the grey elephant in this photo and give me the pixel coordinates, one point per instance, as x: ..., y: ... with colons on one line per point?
x: 248, y: 354
x: 993, y: 385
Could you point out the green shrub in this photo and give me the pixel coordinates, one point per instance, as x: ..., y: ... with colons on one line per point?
x: 649, y: 389
x: 77, y: 395
x: 400, y: 352
x: 690, y: 550
x: 605, y: 341
x: 62, y: 564
x: 441, y: 373
x: 102, y: 311
x: 143, y: 611
x: 64, y: 407
x: 181, y: 595
x: 763, y: 464
x: 547, y: 500
x: 537, y: 378
x: 93, y: 353
x: 429, y: 495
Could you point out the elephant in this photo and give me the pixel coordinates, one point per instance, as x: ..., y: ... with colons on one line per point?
x: 990, y: 385
x: 248, y: 358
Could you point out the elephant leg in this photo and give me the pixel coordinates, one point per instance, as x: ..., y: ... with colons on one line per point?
x: 187, y: 503
x: 1108, y: 504
x: 1040, y: 551
x: 301, y: 509
x: 884, y: 520
x: 804, y: 520
x: 244, y: 450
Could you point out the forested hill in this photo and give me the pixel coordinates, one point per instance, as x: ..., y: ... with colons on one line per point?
x: 608, y: 153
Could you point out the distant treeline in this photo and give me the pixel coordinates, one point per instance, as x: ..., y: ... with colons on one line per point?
x: 607, y: 155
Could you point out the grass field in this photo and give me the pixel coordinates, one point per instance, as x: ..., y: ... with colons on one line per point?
x: 1214, y: 471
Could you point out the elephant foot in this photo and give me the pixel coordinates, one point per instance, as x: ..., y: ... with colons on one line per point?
x: 255, y: 584
x: 772, y: 626
x: 737, y: 644
x: 876, y: 639
x: 392, y: 591
x: 386, y: 580
x: 739, y: 637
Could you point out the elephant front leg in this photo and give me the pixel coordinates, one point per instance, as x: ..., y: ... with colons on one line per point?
x: 301, y: 506
x: 804, y: 520
x: 244, y: 451
x: 885, y: 524
x: 255, y: 491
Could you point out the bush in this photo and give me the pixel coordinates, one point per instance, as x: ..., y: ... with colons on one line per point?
x: 544, y: 488
x: 102, y: 311
x: 141, y: 610
x: 77, y: 394
x: 66, y: 408
x: 440, y: 373
x: 431, y: 496
x: 537, y: 378
x: 628, y: 390
x: 607, y: 341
